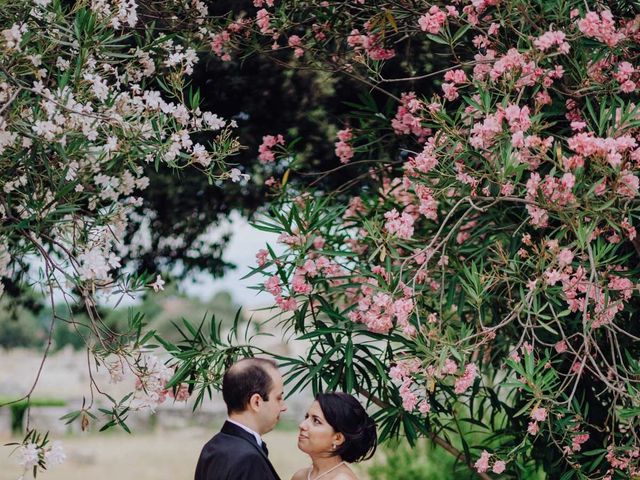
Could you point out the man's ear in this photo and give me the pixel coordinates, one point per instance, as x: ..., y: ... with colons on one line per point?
x: 338, y: 439
x: 255, y: 401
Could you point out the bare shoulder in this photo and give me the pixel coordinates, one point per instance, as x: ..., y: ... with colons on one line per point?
x: 345, y: 476
x: 300, y: 474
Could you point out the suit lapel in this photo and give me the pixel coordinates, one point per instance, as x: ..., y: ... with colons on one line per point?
x: 231, y: 429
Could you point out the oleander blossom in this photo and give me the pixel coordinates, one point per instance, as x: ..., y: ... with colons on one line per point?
x: 55, y: 455
x: 433, y: 21
x: 601, y: 26
x: 269, y: 142
x: 29, y: 455
x: 344, y: 151
x: 552, y: 39
x: 482, y: 464
x: 152, y: 376
x: 463, y: 383
x: 399, y: 224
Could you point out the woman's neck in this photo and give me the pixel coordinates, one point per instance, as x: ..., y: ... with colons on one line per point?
x: 320, y: 465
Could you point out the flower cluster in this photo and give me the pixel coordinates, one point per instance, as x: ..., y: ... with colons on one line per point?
x: 266, y: 147
x: 344, y: 150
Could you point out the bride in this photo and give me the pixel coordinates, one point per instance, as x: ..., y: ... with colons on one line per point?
x: 335, y: 431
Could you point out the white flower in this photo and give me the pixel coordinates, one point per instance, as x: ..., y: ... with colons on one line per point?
x: 236, y: 175
x: 55, y: 455
x: 213, y: 121
x: 29, y: 455
x: 93, y: 265
x: 13, y: 36
x: 62, y: 64
x: 201, y: 156
x: 5, y: 260
x: 158, y: 284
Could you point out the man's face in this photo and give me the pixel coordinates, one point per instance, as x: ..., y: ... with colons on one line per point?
x: 271, y: 409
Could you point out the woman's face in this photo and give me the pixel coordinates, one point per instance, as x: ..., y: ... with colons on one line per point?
x: 316, y: 435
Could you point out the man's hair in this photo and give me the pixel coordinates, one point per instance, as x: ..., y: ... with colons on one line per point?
x: 245, y: 378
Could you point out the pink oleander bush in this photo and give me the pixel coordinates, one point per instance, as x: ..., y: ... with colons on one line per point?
x: 482, y: 290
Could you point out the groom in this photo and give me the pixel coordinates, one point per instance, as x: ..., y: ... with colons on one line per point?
x: 254, y: 393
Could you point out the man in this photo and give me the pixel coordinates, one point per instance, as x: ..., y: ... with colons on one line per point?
x: 253, y: 391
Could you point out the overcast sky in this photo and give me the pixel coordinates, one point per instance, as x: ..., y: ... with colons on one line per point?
x: 244, y: 244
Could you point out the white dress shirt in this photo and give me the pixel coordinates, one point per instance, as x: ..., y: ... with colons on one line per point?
x: 247, y: 429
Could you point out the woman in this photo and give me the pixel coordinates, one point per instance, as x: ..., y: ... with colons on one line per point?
x: 335, y: 431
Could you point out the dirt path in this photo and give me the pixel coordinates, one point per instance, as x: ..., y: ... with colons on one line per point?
x: 169, y: 455
x: 164, y: 455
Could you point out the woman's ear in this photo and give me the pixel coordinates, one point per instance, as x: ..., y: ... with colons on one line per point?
x: 338, y: 439
x: 255, y: 401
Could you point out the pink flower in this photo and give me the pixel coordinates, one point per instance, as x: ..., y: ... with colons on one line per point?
x: 265, y: 149
x: 455, y: 76
x: 499, y: 467
x: 552, y: 277
x: 601, y: 26
x: 296, y: 43
x: 408, y: 118
x: 272, y: 285
x: 533, y: 428
x: 628, y: 86
x: 409, y: 398
x: 463, y: 383
x: 263, y: 19
x: 424, y: 162
x: 450, y: 367
x: 561, y: 346
x: 482, y: 465
x: 565, y: 257
x: 550, y: 39
x: 578, y: 440
x: 182, y: 394
x: 518, y: 118
x: 628, y: 184
x: 450, y: 91
x: 433, y: 21
x: 539, y: 414
x: 401, y: 225
x: 344, y: 151
x: 261, y: 257
x: 287, y: 304
x: 300, y: 285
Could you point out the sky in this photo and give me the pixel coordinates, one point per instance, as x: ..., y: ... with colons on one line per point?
x: 241, y: 250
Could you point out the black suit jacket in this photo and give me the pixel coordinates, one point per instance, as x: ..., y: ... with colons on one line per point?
x: 234, y: 454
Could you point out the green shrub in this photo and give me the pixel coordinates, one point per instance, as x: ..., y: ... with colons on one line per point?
x: 19, y: 408
x: 399, y: 461
x: 402, y: 462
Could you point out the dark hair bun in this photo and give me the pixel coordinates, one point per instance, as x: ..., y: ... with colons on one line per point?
x: 347, y: 416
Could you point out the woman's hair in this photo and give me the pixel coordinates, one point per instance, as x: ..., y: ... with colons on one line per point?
x: 345, y: 414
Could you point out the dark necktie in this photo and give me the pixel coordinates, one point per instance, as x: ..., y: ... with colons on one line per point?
x: 265, y: 449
